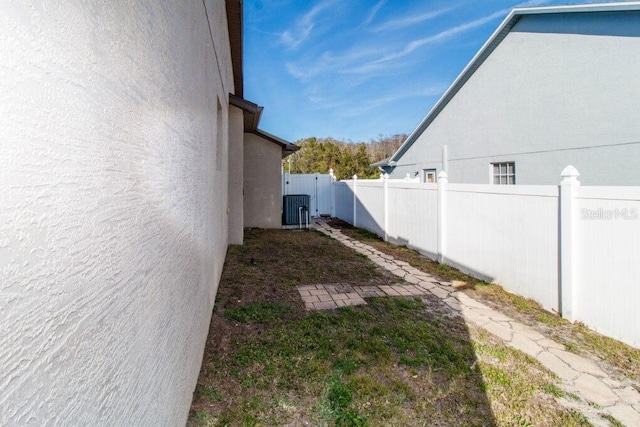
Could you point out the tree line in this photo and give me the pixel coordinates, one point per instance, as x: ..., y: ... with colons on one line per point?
x: 346, y: 158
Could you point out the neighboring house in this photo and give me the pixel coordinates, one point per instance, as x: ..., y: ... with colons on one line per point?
x: 553, y: 86
x: 123, y: 163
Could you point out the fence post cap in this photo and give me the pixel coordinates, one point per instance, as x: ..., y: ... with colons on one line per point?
x: 570, y: 174
x: 443, y: 177
x: 385, y: 176
x: 355, y: 177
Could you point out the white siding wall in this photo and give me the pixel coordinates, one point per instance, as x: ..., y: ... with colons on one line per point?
x: 113, y: 227
x: 558, y: 90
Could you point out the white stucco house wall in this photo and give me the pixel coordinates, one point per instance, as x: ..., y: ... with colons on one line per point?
x: 553, y: 86
x: 119, y: 194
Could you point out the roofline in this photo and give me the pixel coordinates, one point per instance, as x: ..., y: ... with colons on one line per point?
x: 491, y: 44
x: 243, y: 104
x: 236, y: 25
x: 383, y: 163
x: 252, y: 113
x: 287, y: 147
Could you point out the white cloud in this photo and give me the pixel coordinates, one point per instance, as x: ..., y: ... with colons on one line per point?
x: 303, y: 27
x: 531, y: 3
x: 373, y: 12
x: 358, y: 109
x: 328, y: 62
x: 436, y: 38
x: 353, y: 108
x: 406, y: 21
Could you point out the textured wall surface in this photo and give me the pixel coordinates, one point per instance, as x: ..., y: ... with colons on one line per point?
x: 113, y: 226
x: 558, y: 90
x: 236, y: 173
x: 262, y: 183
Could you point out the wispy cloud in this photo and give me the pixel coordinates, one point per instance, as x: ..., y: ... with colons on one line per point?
x: 303, y: 27
x: 358, y: 109
x: 406, y: 21
x: 311, y: 66
x: 436, y: 38
x: 532, y: 3
x: 373, y: 12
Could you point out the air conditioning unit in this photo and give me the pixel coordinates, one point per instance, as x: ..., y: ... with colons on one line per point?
x: 295, y: 209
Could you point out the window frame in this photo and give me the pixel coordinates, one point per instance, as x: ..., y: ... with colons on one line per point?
x: 506, y: 173
x: 426, y: 173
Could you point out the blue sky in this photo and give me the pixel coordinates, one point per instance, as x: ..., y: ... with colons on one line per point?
x: 357, y: 69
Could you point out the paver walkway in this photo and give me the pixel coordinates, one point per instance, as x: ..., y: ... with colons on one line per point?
x: 579, y: 375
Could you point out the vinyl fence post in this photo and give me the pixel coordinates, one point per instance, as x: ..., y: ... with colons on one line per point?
x: 385, y: 185
x: 355, y: 204
x: 442, y: 202
x: 314, y: 199
x: 568, y: 233
x: 285, y: 182
x: 332, y: 193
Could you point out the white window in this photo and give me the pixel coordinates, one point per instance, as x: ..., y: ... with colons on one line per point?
x: 429, y: 176
x: 504, y: 173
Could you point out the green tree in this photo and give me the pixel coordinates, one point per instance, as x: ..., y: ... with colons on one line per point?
x: 345, y: 158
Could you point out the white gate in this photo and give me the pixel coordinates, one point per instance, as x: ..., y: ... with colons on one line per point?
x: 318, y: 186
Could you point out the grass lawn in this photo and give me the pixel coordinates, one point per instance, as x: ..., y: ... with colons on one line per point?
x: 394, y: 361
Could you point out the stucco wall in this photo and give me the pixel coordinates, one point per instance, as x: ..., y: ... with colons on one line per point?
x: 236, y: 172
x: 558, y: 90
x: 113, y: 226
x: 262, y: 183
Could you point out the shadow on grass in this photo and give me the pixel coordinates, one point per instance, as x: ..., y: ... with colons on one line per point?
x: 394, y: 361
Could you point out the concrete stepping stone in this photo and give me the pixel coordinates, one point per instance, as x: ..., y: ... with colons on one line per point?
x: 595, y: 390
x: 579, y: 363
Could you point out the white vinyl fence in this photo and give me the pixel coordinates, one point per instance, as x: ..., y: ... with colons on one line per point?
x: 575, y: 250
x: 317, y: 186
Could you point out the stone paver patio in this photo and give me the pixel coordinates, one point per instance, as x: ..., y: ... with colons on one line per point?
x: 579, y: 375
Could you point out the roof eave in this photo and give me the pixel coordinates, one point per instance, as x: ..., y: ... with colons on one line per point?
x: 252, y: 113
x: 235, y: 25
x: 383, y: 163
x: 287, y: 147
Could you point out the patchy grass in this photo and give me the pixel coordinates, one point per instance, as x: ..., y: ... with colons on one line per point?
x: 394, y: 361
x: 614, y: 422
x: 258, y: 312
x: 576, y: 337
x: 518, y: 395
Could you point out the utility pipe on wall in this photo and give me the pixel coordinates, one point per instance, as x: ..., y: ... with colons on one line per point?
x: 445, y: 159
